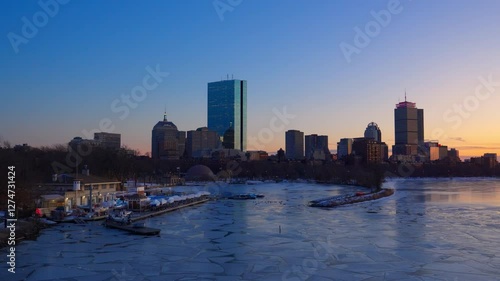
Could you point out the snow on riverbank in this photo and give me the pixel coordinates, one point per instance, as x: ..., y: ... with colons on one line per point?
x: 350, y: 198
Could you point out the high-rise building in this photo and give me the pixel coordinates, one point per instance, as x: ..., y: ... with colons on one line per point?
x: 294, y: 145
x: 409, y: 128
x: 369, y: 150
x: 201, y: 142
x: 490, y: 160
x: 372, y: 131
x: 227, y: 110
x: 344, y: 148
x: 167, y: 142
x: 228, y: 138
x: 454, y: 155
x: 108, y: 140
x: 316, y: 147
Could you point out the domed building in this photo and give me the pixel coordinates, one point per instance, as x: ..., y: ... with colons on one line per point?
x: 167, y: 142
x: 200, y: 173
x: 371, y: 149
x: 373, y: 132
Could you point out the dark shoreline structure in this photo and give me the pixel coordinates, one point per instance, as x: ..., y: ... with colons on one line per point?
x: 346, y: 199
x: 25, y: 230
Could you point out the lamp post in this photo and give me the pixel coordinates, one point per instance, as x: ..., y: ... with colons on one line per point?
x: 91, y: 209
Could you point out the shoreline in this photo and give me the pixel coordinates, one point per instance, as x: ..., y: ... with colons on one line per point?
x: 28, y: 229
x: 348, y: 199
x: 31, y: 228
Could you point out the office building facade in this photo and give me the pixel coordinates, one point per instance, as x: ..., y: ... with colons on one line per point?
x: 316, y: 147
x: 369, y: 150
x: 101, y: 140
x: 201, y: 142
x: 227, y: 111
x: 167, y: 142
x: 344, y: 148
x: 409, y: 129
x: 294, y: 145
x: 108, y: 140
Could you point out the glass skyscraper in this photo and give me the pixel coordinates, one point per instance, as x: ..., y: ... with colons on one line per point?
x: 227, y: 109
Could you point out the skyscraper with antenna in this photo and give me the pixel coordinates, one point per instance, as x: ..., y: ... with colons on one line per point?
x: 408, y: 127
x: 227, y: 111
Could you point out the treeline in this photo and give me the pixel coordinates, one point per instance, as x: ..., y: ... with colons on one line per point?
x: 442, y: 169
x: 37, y: 165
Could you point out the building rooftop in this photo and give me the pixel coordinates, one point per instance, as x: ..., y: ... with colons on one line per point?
x: 165, y: 124
x: 86, y: 179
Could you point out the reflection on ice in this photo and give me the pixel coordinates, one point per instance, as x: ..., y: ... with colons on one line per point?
x: 429, y: 229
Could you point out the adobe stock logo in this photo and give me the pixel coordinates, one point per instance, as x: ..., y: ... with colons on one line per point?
x: 223, y: 6
x: 459, y: 112
x: 363, y: 38
x: 30, y: 28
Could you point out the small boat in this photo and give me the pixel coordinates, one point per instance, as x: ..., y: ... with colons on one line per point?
x: 122, y: 216
x: 136, y: 228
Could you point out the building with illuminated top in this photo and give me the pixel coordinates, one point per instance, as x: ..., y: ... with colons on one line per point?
x: 409, y: 129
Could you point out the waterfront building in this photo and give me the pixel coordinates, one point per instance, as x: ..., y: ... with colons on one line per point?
x: 167, y: 142
x: 409, y: 129
x: 294, y: 145
x: 227, y: 111
x: 201, y: 142
x: 71, y: 190
x: 344, y: 148
x: 316, y: 147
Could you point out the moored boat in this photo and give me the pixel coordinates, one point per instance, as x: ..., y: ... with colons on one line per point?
x: 136, y: 228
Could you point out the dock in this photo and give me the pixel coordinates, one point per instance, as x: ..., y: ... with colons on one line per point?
x: 142, y: 230
x: 141, y: 216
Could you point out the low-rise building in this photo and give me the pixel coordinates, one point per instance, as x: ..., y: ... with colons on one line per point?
x: 257, y: 155
x: 71, y: 190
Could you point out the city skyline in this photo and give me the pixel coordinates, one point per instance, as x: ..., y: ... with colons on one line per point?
x: 445, y: 56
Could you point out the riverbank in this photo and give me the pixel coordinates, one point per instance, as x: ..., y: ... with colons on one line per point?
x: 145, y: 215
x: 25, y: 230
x: 350, y: 198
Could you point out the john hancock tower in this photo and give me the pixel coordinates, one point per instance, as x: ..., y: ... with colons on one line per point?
x: 227, y: 111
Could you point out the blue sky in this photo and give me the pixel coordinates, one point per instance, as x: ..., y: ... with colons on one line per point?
x: 90, y: 53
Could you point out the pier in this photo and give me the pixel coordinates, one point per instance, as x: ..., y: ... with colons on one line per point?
x: 144, y: 215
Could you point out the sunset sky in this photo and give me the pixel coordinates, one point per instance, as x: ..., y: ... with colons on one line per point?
x: 67, y: 67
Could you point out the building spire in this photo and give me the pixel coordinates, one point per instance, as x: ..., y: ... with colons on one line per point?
x: 165, y: 114
x: 405, y: 94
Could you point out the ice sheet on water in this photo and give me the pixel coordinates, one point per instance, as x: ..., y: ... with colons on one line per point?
x: 402, y: 235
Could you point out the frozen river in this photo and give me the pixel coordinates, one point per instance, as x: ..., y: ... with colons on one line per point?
x: 430, y: 229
